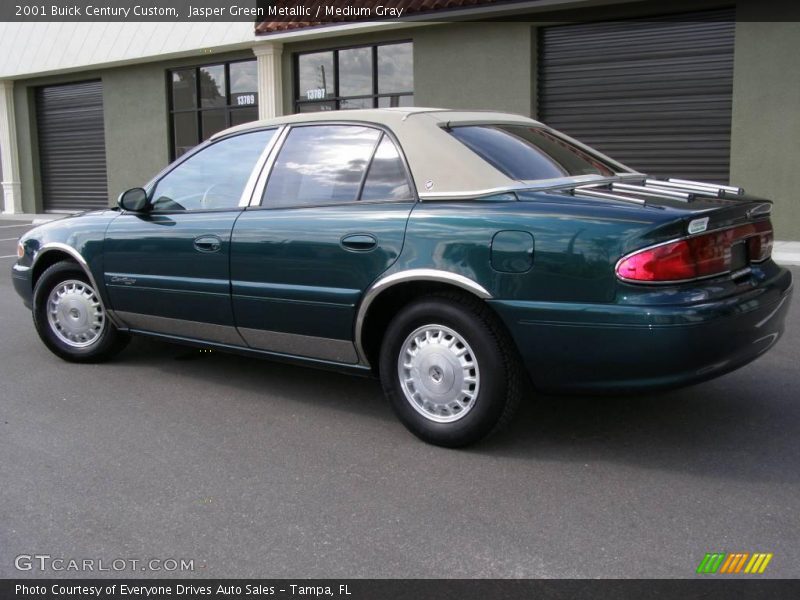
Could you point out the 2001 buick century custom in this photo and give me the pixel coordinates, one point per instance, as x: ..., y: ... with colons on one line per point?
x: 449, y: 252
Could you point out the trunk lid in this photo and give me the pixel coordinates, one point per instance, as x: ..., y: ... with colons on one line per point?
x: 713, y: 230
x: 695, y: 207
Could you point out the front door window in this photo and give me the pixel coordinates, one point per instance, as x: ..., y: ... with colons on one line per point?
x: 214, y: 178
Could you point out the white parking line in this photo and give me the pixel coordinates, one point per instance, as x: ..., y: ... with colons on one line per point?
x: 8, y: 239
x: 23, y: 225
x: 9, y: 256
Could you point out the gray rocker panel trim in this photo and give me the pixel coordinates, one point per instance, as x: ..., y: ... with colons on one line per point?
x: 303, y: 346
x: 308, y: 346
x: 223, y: 334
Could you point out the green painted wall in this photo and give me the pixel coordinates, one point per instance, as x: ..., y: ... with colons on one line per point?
x: 475, y: 66
x: 26, y: 147
x: 136, y: 123
x: 765, y: 144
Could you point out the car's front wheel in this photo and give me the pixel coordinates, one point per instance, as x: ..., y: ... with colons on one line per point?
x: 448, y: 371
x: 70, y: 318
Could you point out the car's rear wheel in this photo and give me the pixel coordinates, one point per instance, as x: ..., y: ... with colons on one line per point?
x: 447, y: 368
x: 70, y: 318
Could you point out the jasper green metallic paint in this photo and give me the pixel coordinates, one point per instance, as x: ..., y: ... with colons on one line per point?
x: 276, y: 280
x: 283, y: 283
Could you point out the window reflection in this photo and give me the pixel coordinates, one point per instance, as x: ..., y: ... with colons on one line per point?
x: 386, y: 179
x: 184, y: 89
x: 214, y: 177
x: 355, y: 72
x: 315, y: 72
x: 244, y: 78
x: 320, y: 165
x: 212, y: 86
x: 395, y: 68
x: 213, y: 121
x: 353, y: 103
x: 529, y: 153
x: 350, y: 78
x: 243, y: 115
x: 184, y: 132
x: 209, y: 98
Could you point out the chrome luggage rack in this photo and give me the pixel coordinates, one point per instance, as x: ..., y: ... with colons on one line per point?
x: 669, y: 189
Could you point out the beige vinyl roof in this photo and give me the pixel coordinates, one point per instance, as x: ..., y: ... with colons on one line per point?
x: 442, y: 166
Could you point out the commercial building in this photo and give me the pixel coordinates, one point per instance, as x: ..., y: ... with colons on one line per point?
x: 701, y: 89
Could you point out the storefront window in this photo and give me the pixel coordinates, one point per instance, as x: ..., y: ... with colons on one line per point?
x: 210, y: 98
x: 362, y: 77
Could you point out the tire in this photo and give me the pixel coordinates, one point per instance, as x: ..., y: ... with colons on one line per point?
x: 449, y: 370
x: 70, y: 318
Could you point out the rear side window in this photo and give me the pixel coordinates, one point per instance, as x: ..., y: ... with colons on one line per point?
x: 529, y: 153
x: 386, y: 179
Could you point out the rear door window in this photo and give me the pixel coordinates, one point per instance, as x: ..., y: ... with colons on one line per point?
x: 320, y: 164
x: 336, y: 164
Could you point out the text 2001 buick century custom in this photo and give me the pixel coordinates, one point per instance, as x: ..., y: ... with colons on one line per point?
x: 449, y: 252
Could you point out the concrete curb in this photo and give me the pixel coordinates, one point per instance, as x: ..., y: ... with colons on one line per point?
x: 786, y: 253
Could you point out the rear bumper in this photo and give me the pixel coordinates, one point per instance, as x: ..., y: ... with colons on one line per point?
x: 21, y: 279
x: 612, y: 348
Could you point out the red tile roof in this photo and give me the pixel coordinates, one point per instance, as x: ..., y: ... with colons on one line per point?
x: 410, y: 7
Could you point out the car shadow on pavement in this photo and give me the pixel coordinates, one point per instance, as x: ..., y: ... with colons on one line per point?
x: 727, y: 427
x: 731, y: 427
x: 325, y: 389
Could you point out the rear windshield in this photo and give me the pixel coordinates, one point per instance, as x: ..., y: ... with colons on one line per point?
x: 529, y: 153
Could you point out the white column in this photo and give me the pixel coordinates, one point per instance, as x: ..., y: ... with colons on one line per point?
x: 270, y: 85
x: 12, y: 194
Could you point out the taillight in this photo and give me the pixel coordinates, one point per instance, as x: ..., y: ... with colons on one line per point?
x: 759, y: 246
x: 704, y: 255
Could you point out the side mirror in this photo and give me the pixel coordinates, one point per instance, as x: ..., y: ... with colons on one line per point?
x: 133, y: 200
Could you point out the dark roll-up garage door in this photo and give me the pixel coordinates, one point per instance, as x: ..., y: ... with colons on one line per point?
x: 72, y: 149
x: 655, y: 94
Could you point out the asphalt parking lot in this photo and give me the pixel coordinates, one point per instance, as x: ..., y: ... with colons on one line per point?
x: 252, y: 468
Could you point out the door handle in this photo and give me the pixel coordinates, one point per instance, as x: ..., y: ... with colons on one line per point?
x: 207, y: 243
x: 359, y: 242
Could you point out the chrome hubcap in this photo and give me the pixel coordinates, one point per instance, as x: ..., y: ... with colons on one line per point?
x: 75, y: 314
x: 438, y: 373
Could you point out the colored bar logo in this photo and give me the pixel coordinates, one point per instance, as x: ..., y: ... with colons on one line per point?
x: 734, y: 562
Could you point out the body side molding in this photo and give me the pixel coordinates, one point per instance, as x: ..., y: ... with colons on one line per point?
x: 388, y: 281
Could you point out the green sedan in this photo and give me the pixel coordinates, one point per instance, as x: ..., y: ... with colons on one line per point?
x: 465, y: 258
